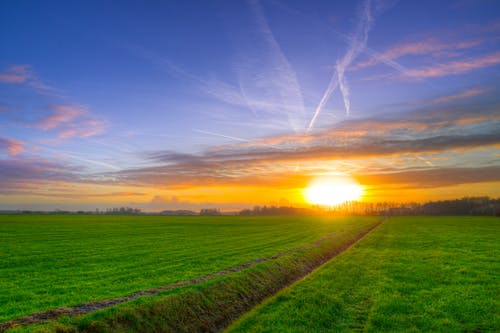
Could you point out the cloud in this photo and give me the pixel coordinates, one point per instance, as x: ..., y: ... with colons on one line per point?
x: 30, y: 174
x: 265, y: 167
x: 72, y: 121
x: 73, y: 156
x: 429, y: 46
x: 259, y: 89
x: 13, y: 147
x: 289, y: 161
x: 431, y: 178
x: 263, y: 161
x: 279, y: 77
x: 454, y: 67
x: 70, y: 194
x: 83, y: 129
x: 458, y: 96
x: 24, y: 175
x: 380, y: 7
x: 267, y: 84
x: 69, y: 120
x: 16, y: 74
x: 61, y: 114
x: 23, y: 74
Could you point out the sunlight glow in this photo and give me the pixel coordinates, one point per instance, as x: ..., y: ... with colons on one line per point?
x: 331, y: 191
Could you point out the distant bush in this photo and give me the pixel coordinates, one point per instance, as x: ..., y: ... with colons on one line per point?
x: 210, y: 211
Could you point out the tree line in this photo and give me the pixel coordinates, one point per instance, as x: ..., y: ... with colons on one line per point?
x: 484, y: 206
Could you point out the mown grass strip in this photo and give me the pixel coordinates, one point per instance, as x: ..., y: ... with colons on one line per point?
x: 214, y: 306
x: 412, y: 274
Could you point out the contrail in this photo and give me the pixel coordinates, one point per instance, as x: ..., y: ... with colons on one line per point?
x: 329, y: 90
x: 232, y: 138
x: 371, y: 52
x: 82, y: 159
x: 357, y: 44
x: 221, y: 135
x: 426, y: 161
x: 284, y: 78
x: 344, y: 89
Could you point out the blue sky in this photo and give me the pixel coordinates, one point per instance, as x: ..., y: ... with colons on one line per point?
x: 104, y: 96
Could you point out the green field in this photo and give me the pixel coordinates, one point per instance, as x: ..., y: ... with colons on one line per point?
x: 412, y: 274
x: 48, y: 261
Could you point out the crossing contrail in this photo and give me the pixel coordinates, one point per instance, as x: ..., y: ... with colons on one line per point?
x: 356, y: 45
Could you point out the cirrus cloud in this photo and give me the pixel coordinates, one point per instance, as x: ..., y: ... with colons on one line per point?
x: 61, y: 114
x: 24, y: 74
x: 454, y: 67
x: 13, y: 147
x: 72, y: 121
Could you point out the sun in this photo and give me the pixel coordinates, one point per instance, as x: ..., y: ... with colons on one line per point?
x: 332, y: 191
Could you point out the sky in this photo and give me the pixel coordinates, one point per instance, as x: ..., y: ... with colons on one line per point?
x: 230, y: 104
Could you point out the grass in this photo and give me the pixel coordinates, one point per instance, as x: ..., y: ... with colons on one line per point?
x: 49, y: 261
x: 212, y: 305
x: 412, y: 274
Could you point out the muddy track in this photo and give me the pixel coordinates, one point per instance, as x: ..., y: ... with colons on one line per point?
x: 84, y: 308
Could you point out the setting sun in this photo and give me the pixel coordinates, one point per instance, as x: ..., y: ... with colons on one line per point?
x: 333, y: 191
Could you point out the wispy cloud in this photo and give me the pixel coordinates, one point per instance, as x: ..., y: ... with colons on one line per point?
x: 11, y: 146
x: 265, y: 167
x: 70, y: 194
x: 288, y: 161
x: 16, y: 74
x: 267, y: 84
x: 280, y: 77
x: 68, y: 120
x: 28, y: 169
x: 434, y: 177
x: 457, y: 96
x: 72, y: 121
x: 83, y: 129
x: 380, y: 6
x: 61, y: 114
x: 72, y: 156
x: 24, y: 74
x: 454, y: 67
x: 262, y: 161
x: 429, y: 46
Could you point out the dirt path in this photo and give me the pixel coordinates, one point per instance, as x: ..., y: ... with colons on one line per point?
x: 84, y: 308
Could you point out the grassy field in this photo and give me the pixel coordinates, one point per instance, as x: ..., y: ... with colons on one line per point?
x: 49, y: 261
x: 412, y: 274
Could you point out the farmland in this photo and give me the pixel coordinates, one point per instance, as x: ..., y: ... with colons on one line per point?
x: 408, y: 274
x: 437, y: 274
x: 50, y: 261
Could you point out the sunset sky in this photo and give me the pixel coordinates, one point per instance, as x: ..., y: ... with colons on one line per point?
x: 230, y: 104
